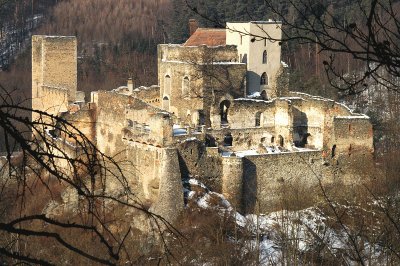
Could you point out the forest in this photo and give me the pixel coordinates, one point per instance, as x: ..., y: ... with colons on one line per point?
x: 118, y: 40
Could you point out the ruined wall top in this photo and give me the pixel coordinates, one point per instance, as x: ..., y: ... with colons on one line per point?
x: 54, y: 63
x: 197, y: 54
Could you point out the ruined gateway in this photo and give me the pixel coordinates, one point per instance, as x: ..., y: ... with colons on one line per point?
x: 221, y: 112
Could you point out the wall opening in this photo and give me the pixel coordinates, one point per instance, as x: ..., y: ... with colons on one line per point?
x: 265, y: 57
x: 264, y: 79
x: 165, y: 104
x: 202, y: 117
x: 333, y: 153
x: 272, y: 139
x: 129, y: 123
x: 281, y: 141
x: 185, y: 87
x: 228, y: 139
x: 167, y: 84
x: 264, y: 95
x: 258, y: 119
x: 224, y: 107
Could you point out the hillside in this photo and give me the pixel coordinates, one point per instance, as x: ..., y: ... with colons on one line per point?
x: 117, y: 40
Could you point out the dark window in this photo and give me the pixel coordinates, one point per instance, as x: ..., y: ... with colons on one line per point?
x: 265, y: 57
x: 228, y: 139
x: 333, y: 151
x: 264, y: 79
x: 258, y: 119
x: 224, y: 106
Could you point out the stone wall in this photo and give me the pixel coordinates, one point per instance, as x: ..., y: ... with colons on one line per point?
x: 352, y: 134
x: 267, y: 176
x: 201, y: 162
x: 150, y: 95
x: 54, y: 65
x: 195, y: 80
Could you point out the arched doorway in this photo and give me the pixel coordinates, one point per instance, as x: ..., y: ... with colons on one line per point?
x: 165, y: 103
x: 224, y: 107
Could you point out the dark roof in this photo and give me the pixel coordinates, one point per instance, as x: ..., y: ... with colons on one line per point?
x: 209, y: 37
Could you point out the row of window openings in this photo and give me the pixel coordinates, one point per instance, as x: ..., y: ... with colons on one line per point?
x: 243, y: 58
x: 185, y: 85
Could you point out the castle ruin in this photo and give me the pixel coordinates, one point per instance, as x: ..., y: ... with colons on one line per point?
x: 218, y: 113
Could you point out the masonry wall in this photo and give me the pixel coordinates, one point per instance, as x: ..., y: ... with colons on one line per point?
x: 201, y: 162
x: 84, y: 120
x: 150, y: 95
x: 194, y: 80
x: 54, y: 67
x: 268, y: 179
x: 352, y: 147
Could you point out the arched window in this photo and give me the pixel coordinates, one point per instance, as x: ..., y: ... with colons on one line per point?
x: 265, y: 57
x: 264, y: 79
x: 185, y: 87
x: 167, y: 85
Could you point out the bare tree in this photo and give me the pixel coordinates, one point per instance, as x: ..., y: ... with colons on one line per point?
x: 42, y: 159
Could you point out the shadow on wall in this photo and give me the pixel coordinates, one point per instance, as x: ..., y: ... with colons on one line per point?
x: 250, y: 188
x: 300, y: 128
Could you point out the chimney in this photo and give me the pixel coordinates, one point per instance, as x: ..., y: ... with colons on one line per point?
x: 131, y: 85
x: 193, y: 25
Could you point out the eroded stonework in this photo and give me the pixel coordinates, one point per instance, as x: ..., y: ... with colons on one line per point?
x: 204, y: 120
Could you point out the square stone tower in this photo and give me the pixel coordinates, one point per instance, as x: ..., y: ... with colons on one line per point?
x: 54, y: 73
x: 262, y: 56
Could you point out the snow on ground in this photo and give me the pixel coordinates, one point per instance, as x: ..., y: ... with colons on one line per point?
x: 303, y: 230
x: 179, y: 131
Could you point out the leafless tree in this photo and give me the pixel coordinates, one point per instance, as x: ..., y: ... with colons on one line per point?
x: 43, y: 158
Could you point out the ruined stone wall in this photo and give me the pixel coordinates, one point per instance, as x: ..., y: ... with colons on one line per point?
x: 352, y: 134
x: 150, y: 95
x: 201, y: 162
x: 321, y: 116
x: 84, y: 120
x: 194, y: 80
x: 244, y: 138
x: 51, y: 100
x: 54, y: 65
x: 274, y: 118
x: 267, y: 177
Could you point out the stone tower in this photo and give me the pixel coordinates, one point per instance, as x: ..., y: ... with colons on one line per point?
x: 262, y: 56
x: 54, y: 73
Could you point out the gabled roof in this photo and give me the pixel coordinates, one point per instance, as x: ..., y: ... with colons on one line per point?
x: 207, y: 36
